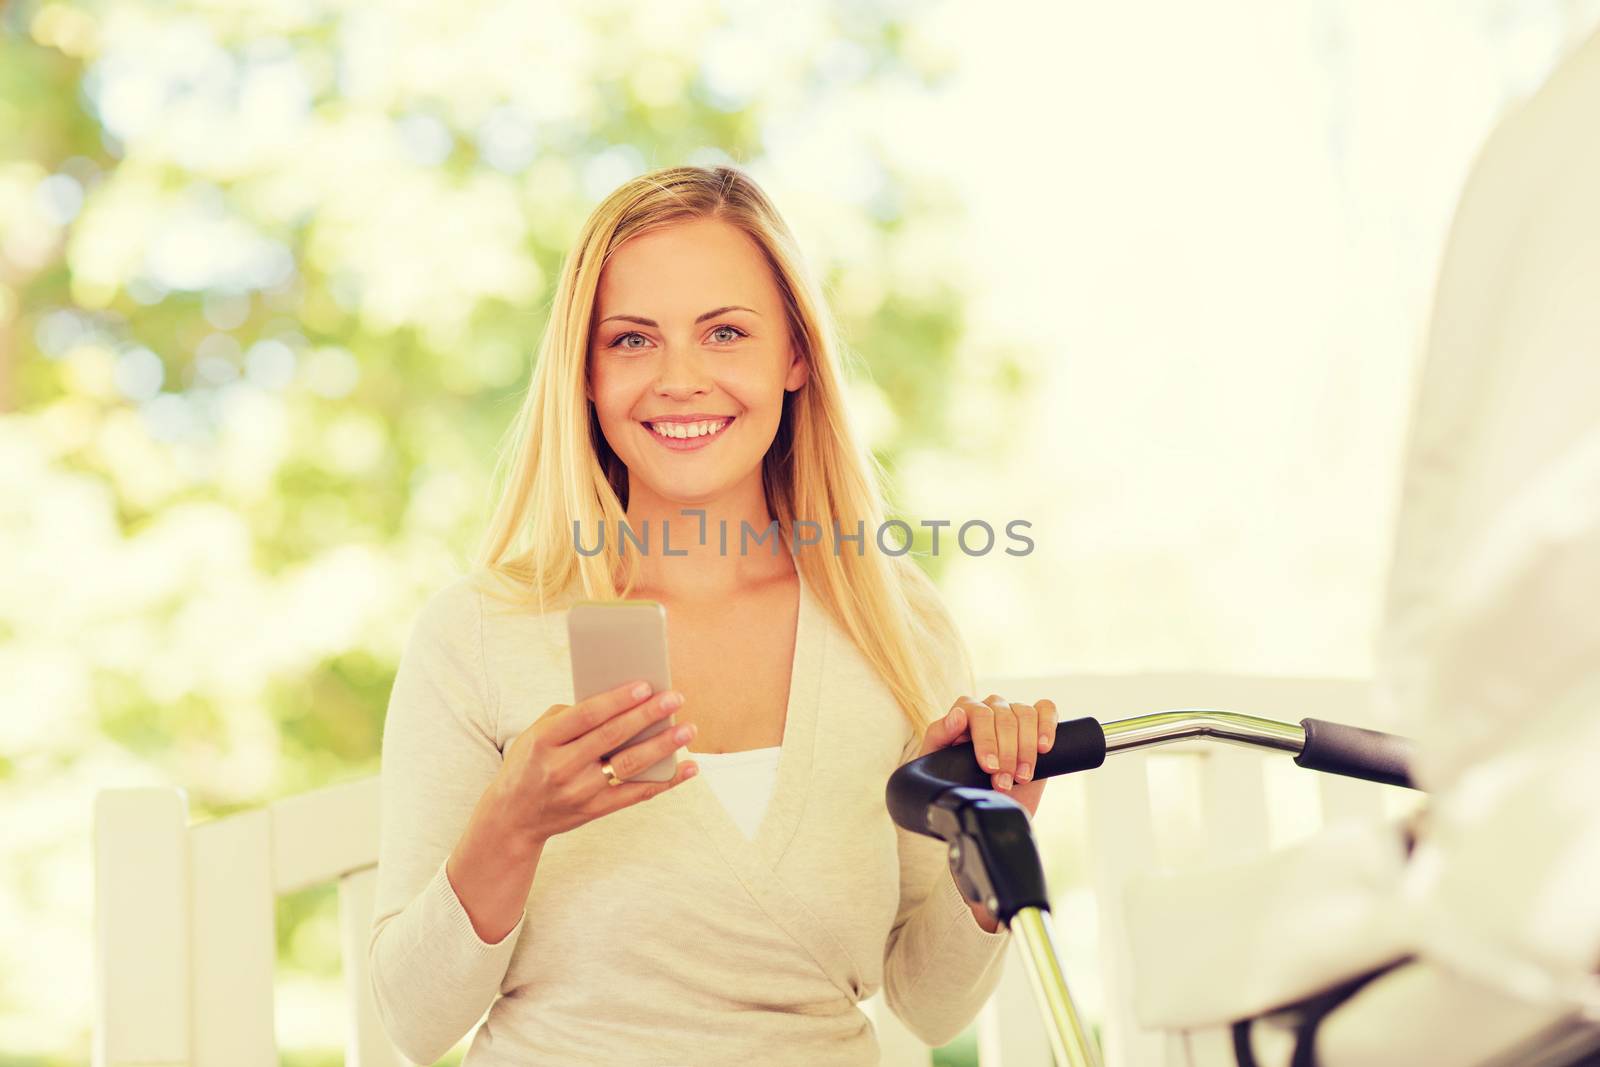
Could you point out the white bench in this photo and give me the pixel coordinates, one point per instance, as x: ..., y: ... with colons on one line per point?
x: 185, y: 914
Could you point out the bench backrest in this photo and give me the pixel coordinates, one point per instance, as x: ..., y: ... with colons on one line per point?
x: 185, y: 914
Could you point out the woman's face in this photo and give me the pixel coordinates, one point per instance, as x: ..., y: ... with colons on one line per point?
x: 690, y: 338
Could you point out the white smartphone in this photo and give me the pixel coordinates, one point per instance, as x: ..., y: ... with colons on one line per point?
x: 616, y: 641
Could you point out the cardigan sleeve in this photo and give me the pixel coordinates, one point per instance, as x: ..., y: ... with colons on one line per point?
x: 939, y: 965
x: 431, y: 974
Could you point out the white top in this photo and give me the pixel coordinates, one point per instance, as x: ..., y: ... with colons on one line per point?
x: 742, y: 781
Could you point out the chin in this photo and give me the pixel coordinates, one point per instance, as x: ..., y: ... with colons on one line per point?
x: 697, y: 489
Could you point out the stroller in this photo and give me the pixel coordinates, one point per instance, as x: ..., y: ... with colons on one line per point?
x: 1415, y: 1004
x: 1470, y: 936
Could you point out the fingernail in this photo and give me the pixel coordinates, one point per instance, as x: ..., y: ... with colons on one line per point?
x: 1005, y: 781
x: 641, y: 690
x: 1045, y: 741
x: 672, y: 700
x: 1024, y: 772
x: 992, y: 762
x: 689, y: 771
x: 683, y: 733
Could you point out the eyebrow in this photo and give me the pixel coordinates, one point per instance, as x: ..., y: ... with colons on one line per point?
x: 713, y: 313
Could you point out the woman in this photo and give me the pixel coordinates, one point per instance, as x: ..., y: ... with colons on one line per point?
x: 687, y: 382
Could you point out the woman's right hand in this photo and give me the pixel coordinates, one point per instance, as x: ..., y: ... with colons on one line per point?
x: 551, y: 780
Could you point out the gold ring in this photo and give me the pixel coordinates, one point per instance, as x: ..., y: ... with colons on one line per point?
x: 611, y: 775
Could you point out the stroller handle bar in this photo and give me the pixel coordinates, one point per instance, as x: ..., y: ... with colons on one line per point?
x: 1318, y: 745
x: 946, y: 795
x: 1083, y: 744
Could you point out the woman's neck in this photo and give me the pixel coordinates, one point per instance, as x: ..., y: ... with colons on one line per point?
x: 720, y: 548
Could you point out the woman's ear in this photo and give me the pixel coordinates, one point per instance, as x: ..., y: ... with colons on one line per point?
x: 799, y: 371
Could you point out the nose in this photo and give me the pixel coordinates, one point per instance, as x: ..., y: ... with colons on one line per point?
x: 682, y: 373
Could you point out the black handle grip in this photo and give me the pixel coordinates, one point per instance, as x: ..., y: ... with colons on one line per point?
x: 1080, y: 745
x: 1356, y: 753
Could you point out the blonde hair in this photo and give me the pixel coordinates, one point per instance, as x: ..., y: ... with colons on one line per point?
x: 556, y: 467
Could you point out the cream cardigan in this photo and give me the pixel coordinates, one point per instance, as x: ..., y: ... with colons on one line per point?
x: 660, y: 934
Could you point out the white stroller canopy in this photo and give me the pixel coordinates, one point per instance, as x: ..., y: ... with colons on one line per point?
x: 1489, y: 658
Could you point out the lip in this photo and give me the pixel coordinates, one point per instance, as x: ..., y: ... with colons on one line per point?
x: 693, y: 416
x: 686, y: 444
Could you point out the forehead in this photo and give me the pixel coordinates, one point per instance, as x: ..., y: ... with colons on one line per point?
x: 684, y: 269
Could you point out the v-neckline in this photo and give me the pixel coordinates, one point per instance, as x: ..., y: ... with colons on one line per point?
x: 754, y: 861
x: 782, y: 816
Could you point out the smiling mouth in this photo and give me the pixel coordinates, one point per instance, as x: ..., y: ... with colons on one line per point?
x: 688, y: 431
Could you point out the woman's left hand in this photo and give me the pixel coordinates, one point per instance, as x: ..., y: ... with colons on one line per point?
x: 1006, y: 740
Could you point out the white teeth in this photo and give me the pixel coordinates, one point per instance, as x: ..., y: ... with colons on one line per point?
x: 688, y: 429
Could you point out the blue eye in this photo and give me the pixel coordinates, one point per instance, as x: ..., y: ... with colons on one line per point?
x: 617, y: 341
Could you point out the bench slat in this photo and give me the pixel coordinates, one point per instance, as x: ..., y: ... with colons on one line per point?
x: 141, y: 909
x: 233, y: 925
x: 367, y: 1044
x: 321, y: 835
